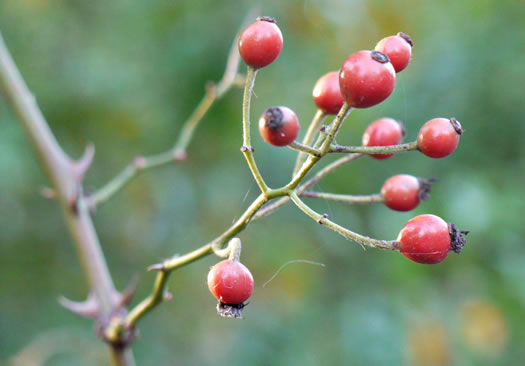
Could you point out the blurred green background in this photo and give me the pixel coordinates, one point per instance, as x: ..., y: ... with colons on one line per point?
x: 125, y: 75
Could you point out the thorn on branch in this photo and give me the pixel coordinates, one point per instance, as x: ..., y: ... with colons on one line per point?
x: 48, y: 193
x: 320, y: 221
x: 156, y: 267
x: 82, y: 165
x: 92, y: 207
x: 87, y: 309
x: 123, y: 299
x: 247, y: 148
x: 168, y: 296
x: 180, y: 155
x: 139, y: 162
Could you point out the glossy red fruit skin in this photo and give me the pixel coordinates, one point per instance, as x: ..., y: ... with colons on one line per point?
x: 438, y: 138
x: 365, y: 81
x: 383, y: 132
x: 279, y: 126
x: 327, y: 94
x: 425, y: 239
x: 261, y: 43
x: 398, y: 48
x: 401, y: 192
x: 230, y: 282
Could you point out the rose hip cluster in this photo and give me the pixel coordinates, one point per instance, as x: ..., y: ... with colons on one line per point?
x: 365, y: 79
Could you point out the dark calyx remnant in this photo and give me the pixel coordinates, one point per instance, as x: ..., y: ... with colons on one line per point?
x: 230, y: 311
x: 457, y: 238
x: 407, y: 38
x: 266, y: 19
x: 273, y: 119
x: 457, y: 126
x: 380, y: 57
x: 425, y: 188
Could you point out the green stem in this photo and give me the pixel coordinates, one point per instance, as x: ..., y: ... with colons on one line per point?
x: 324, y: 146
x: 336, y: 125
x: 169, y: 265
x: 247, y: 148
x: 374, y: 149
x: 190, y: 125
x: 302, y: 148
x: 157, y: 296
x: 348, y: 234
x: 121, y: 357
x: 267, y: 210
x: 345, y: 198
x: 309, y: 136
x: 330, y: 168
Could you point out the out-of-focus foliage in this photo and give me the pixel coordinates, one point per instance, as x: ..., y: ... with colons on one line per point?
x: 125, y: 75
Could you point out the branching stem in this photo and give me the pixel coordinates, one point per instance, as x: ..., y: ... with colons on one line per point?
x: 348, y: 234
x: 309, y: 137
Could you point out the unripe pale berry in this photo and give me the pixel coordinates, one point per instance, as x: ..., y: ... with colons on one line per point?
x: 383, y: 132
x: 398, y: 48
x: 327, y: 94
x: 261, y: 43
x: 279, y: 126
x: 428, y: 239
x: 439, y: 137
x: 366, y: 78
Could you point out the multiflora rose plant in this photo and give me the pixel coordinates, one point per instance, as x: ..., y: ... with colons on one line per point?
x: 365, y: 78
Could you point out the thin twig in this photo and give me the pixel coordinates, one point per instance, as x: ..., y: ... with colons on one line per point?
x: 344, y: 112
x: 358, y: 238
x: 297, y: 146
x: 374, y: 149
x: 171, y: 264
x: 270, y: 208
x: 309, y: 136
x: 213, y: 93
x: 247, y: 148
x: 345, y: 198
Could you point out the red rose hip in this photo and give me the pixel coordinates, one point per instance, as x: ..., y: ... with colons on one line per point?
x: 279, y: 126
x: 366, y: 79
x: 383, y: 132
x: 327, y: 94
x: 261, y: 43
x: 230, y: 282
x: 439, y: 137
x: 428, y: 239
x: 398, y: 49
x: 404, y: 192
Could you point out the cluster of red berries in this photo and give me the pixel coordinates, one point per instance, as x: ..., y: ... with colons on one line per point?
x: 365, y: 79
